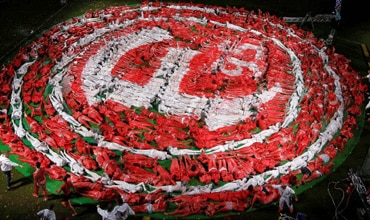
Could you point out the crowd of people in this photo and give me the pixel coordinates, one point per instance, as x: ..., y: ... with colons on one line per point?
x: 282, y: 193
x: 367, y: 107
x: 119, y: 212
x: 224, y: 168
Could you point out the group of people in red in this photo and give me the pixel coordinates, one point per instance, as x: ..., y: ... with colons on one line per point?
x: 120, y: 212
x: 182, y: 168
x: 39, y: 181
x: 223, y: 201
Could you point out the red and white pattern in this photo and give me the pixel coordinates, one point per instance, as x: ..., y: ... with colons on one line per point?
x: 163, y: 96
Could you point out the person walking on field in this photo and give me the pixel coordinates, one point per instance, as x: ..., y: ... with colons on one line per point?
x: 66, y: 189
x: 6, y: 167
x: 39, y: 180
x: 285, y: 193
x: 47, y: 214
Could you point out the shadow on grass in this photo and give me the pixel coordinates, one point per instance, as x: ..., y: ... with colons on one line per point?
x: 21, y: 182
x: 86, y: 209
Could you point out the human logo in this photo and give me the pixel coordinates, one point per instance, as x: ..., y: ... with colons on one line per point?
x: 179, y: 98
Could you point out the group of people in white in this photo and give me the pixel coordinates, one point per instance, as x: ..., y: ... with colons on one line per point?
x: 120, y: 211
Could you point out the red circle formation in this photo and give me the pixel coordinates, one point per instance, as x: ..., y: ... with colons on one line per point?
x: 200, y: 101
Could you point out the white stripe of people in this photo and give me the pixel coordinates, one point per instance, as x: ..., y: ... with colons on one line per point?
x: 189, y: 99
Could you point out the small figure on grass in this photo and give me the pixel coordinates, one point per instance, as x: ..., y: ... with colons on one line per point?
x: 66, y: 189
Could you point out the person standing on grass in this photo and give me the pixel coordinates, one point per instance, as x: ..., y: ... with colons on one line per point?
x: 285, y: 193
x: 66, y: 189
x: 6, y: 167
x: 47, y: 214
x: 39, y: 180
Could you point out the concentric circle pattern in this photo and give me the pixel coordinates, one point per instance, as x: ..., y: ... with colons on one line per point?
x: 201, y: 102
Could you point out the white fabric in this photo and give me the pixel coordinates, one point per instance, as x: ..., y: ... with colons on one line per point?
x: 106, y: 215
x: 123, y: 211
x: 46, y: 214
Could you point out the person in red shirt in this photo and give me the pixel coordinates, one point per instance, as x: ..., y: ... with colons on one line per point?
x: 66, y: 189
x: 39, y: 180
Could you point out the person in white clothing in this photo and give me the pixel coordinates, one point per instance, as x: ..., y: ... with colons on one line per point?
x: 123, y: 210
x: 107, y: 214
x: 285, y: 193
x: 6, y: 167
x: 47, y: 214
